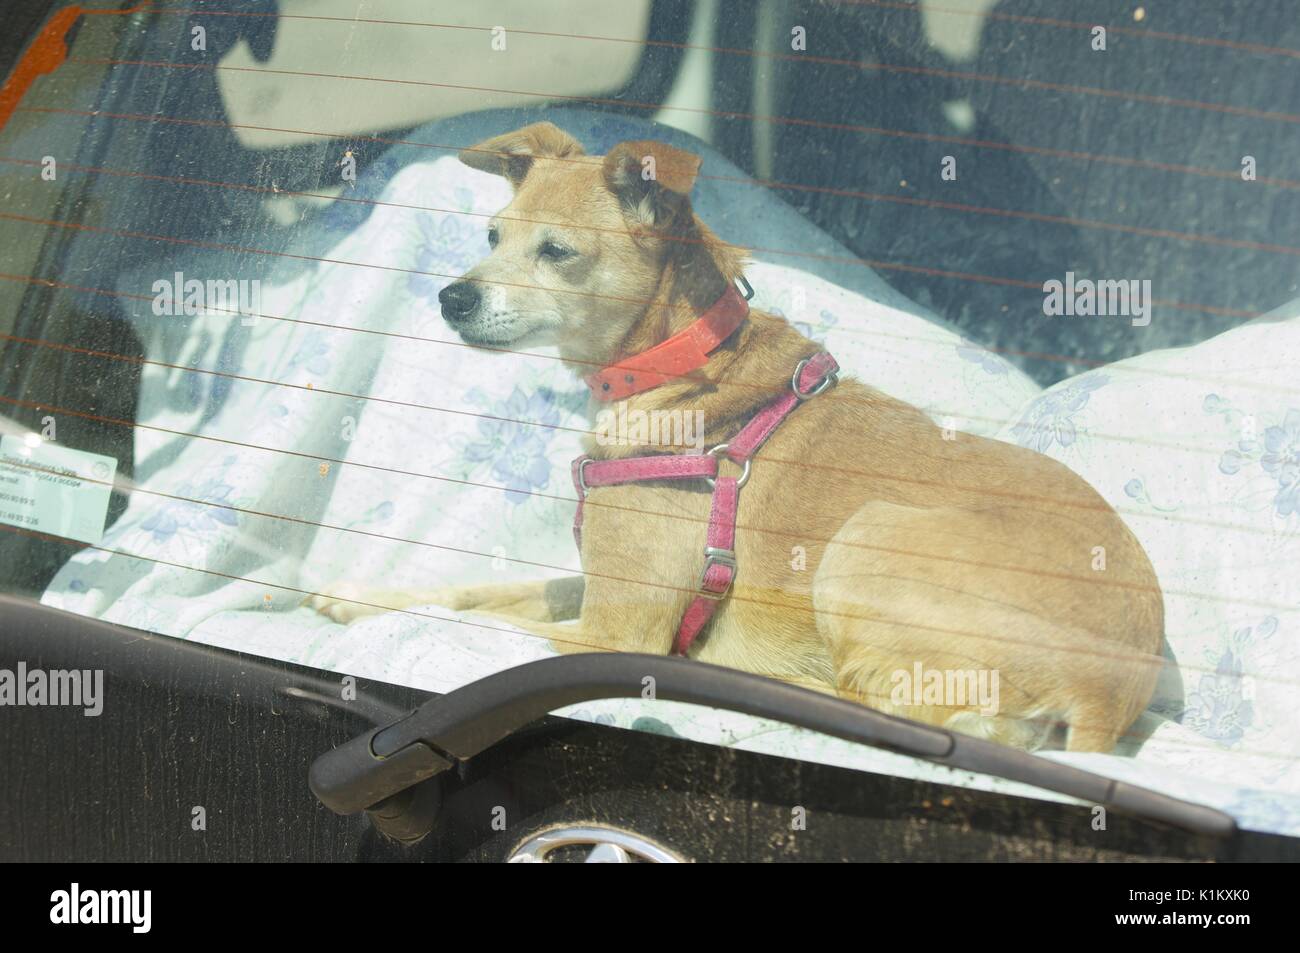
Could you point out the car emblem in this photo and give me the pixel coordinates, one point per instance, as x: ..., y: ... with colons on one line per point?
x: 602, y: 845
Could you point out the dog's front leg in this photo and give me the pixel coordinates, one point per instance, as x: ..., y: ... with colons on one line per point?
x: 548, y: 600
x: 641, y: 571
x: 617, y: 616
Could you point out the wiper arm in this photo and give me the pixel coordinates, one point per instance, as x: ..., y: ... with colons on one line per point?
x: 375, y: 767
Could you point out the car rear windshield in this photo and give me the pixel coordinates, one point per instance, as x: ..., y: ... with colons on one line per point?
x: 229, y: 397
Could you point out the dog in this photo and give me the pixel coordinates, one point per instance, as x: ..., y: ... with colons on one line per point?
x: 867, y: 541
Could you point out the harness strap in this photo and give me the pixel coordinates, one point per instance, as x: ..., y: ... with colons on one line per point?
x: 719, y: 564
x: 589, y: 473
x: 811, y: 377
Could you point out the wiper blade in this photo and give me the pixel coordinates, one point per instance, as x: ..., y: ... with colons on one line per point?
x: 382, y: 763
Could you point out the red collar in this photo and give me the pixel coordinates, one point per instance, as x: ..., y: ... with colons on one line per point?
x: 685, y: 351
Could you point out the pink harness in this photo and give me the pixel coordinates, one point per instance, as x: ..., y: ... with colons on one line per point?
x: 811, y: 377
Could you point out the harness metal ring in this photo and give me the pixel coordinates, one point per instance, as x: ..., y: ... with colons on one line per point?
x: 828, y: 381
x: 744, y: 474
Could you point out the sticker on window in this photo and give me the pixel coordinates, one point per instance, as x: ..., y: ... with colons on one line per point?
x: 51, y: 489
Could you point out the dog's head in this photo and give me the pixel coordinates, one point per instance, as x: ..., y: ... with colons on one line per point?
x: 578, y: 254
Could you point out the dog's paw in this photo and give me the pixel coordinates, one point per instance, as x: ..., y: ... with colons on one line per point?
x: 345, y: 602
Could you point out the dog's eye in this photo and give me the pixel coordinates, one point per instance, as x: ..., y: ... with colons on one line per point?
x: 554, y: 252
x: 493, y: 237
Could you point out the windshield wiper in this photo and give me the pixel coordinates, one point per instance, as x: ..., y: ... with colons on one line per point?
x: 374, y: 771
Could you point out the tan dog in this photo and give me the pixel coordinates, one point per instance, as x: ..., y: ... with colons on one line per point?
x: 918, y: 552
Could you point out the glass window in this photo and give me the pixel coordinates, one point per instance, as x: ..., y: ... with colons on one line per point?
x: 240, y: 404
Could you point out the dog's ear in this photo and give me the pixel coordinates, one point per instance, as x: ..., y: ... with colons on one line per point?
x: 512, y: 154
x: 652, y: 179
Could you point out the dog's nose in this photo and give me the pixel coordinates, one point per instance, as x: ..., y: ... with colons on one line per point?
x: 459, y: 300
